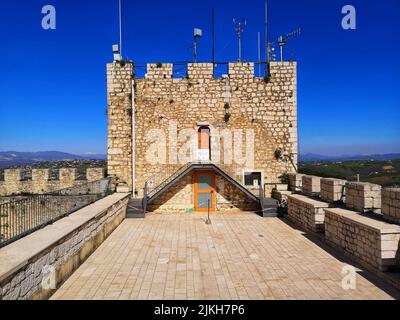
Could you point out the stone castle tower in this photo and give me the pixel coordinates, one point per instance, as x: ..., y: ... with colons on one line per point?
x: 171, y: 135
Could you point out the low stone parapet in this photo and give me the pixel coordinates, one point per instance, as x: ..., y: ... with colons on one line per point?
x: 391, y: 205
x: 295, y: 181
x: 281, y: 196
x: 367, y: 240
x: 362, y: 197
x: 35, y: 266
x: 307, y: 213
x: 40, y: 181
x: 311, y: 185
x: 333, y: 190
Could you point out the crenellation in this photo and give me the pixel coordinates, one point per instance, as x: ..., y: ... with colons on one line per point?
x: 333, y: 190
x: 200, y: 70
x: 311, y: 185
x: 241, y: 70
x: 43, y: 180
x: 295, y: 182
x: 95, y: 174
x: 361, y: 196
x: 159, y: 71
x: 391, y: 204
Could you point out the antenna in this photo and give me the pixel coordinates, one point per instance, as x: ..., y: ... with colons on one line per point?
x: 283, y: 40
x: 240, y: 29
x: 267, y: 44
x: 198, y: 33
x: 120, y: 27
x: 213, y: 40
x: 259, y: 54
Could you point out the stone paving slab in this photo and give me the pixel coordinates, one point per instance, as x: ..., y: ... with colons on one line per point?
x: 240, y: 256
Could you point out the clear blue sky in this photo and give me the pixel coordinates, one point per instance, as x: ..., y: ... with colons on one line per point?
x: 53, y: 85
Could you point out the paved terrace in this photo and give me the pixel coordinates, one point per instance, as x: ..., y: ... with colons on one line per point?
x: 240, y: 256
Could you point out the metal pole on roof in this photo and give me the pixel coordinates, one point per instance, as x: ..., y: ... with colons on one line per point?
x: 267, y: 58
x: 120, y: 26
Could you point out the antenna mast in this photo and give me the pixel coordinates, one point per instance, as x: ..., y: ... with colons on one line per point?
x: 267, y: 48
x: 259, y: 54
x: 240, y: 29
x: 120, y: 27
x: 283, y: 40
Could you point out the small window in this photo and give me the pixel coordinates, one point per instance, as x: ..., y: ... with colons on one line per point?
x: 252, y: 179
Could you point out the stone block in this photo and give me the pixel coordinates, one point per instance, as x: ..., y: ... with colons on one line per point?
x: 311, y: 185
x: 362, y: 196
x: 367, y: 240
x: 391, y: 204
x: 307, y: 213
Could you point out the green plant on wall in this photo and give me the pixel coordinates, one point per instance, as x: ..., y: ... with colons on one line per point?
x: 267, y: 78
x: 159, y: 65
x: 278, y: 154
x: 284, y: 178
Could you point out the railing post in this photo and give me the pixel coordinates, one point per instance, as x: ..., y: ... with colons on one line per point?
x: 208, y: 221
x: 144, y: 202
x: 261, y: 195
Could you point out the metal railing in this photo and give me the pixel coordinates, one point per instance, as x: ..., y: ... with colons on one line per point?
x: 19, y: 218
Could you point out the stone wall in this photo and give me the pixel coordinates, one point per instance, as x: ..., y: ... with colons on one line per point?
x: 180, y: 197
x: 391, y: 205
x: 333, y: 190
x: 296, y: 182
x: 362, y: 196
x: 311, y: 185
x: 306, y: 213
x: 173, y: 105
x: 61, y: 247
x: 120, y: 112
x: 41, y: 183
x: 368, y: 241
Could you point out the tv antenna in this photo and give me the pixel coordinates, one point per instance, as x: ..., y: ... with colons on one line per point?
x: 198, y: 33
x: 240, y: 25
x: 283, y: 40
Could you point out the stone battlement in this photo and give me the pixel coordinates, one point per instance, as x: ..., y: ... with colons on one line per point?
x: 39, y: 180
x: 236, y: 70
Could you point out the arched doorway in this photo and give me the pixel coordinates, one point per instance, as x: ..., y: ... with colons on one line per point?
x: 204, y: 144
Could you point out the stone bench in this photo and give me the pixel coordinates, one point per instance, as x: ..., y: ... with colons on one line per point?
x: 362, y: 196
x: 332, y: 190
x: 307, y: 213
x: 391, y: 205
x: 366, y: 240
x: 311, y: 185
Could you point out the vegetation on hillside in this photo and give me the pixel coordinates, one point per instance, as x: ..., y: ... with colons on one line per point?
x: 385, y: 173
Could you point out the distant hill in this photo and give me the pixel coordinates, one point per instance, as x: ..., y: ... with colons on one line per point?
x: 12, y: 158
x: 311, y: 157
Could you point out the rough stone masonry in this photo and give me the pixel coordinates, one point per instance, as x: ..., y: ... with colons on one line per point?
x: 138, y: 105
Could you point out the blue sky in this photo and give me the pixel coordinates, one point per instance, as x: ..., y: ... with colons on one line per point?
x: 53, y: 85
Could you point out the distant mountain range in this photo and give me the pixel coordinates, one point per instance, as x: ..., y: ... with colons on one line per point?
x: 11, y: 158
x: 311, y: 157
